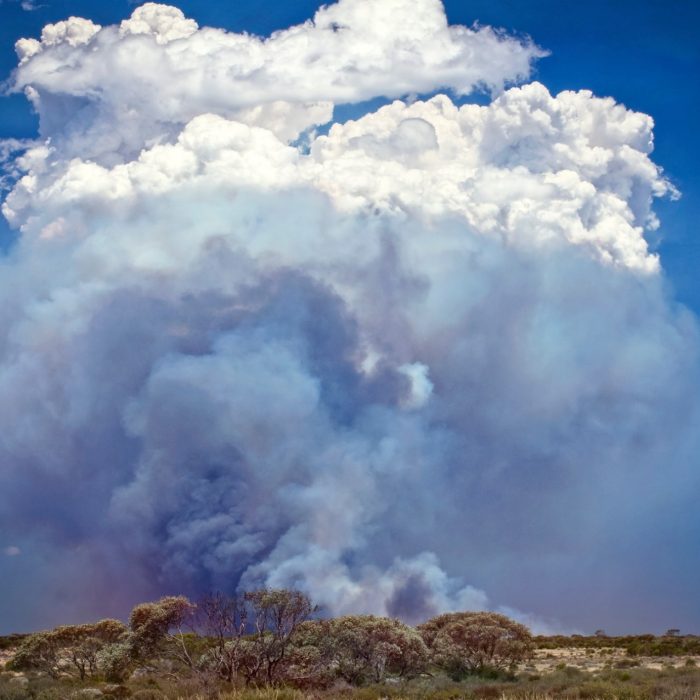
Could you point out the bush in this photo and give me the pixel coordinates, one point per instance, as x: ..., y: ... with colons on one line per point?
x: 471, y: 642
x: 364, y: 648
x: 74, y: 649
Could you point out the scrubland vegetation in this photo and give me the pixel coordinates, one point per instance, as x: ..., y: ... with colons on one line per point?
x: 273, y: 644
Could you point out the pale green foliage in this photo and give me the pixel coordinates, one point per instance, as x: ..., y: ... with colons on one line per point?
x: 469, y: 642
x: 275, y: 615
x: 106, y: 648
x: 114, y: 661
x: 362, y: 648
x: 222, y: 619
x: 82, y: 644
x: 151, y: 623
x: 248, y: 637
x: 69, y: 649
x: 38, y: 652
x: 265, y: 637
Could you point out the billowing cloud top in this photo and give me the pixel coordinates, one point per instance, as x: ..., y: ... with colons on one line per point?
x: 392, y: 364
x: 157, y: 70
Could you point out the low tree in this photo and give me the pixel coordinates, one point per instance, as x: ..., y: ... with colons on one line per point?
x: 38, y: 652
x: 72, y: 649
x: 308, y: 663
x: 365, y: 648
x: 155, y: 625
x: 163, y: 634
x: 274, y: 615
x: 82, y: 644
x: 471, y: 642
x: 223, y: 621
x: 115, y: 661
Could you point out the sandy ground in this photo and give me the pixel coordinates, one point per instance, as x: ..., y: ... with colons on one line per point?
x: 592, y: 660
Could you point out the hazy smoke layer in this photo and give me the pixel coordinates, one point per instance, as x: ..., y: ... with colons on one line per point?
x: 425, y: 355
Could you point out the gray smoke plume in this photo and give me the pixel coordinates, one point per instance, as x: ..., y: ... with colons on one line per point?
x: 423, y: 356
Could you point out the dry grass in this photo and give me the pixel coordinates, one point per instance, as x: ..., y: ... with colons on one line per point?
x: 565, y: 673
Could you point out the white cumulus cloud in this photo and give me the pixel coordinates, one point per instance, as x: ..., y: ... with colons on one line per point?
x: 392, y: 366
x: 125, y: 87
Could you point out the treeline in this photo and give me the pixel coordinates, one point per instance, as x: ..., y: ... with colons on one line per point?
x: 635, y: 645
x: 272, y: 637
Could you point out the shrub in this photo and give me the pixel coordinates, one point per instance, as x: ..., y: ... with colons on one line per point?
x: 365, y: 648
x: 275, y: 615
x: 70, y: 648
x: 471, y: 642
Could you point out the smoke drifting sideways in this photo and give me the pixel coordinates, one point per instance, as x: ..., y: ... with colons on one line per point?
x: 422, y: 362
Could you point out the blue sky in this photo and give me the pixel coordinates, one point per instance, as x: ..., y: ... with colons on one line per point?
x: 644, y: 53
